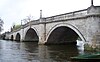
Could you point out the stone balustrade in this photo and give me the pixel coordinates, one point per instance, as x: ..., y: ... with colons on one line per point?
x: 67, y: 15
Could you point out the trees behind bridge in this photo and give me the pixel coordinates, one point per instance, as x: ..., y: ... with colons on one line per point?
x: 1, y: 25
x: 15, y: 27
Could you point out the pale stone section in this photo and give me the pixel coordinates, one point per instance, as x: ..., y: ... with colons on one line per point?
x: 42, y: 32
x: 92, y: 27
x: 22, y: 35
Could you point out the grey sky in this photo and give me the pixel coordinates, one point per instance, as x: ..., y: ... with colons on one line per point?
x: 13, y: 11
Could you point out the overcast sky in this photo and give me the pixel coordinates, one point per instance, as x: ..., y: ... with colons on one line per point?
x: 13, y: 11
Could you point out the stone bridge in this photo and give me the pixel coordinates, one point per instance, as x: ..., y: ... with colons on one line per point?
x: 64, y: 28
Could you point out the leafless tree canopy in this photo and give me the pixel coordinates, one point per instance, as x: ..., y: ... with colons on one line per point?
x: 1, y: 24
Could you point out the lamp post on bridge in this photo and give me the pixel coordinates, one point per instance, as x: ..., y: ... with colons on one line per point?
x: 92, y: 3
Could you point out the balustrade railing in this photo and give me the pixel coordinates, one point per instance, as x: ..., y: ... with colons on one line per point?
x: 67, y: 15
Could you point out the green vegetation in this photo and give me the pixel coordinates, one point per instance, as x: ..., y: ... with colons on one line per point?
x: 15, y: 27
x: 87, y: 47
x: 90, y: 48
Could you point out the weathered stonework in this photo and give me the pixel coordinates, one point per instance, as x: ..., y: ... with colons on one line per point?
x: 85, y: 23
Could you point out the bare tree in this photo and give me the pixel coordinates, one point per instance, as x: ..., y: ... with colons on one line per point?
x: 1, y: 24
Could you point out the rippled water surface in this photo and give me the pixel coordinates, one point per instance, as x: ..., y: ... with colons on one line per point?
x: 12, y: 51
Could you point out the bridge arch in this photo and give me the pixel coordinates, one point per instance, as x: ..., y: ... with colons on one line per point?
x: 12, y: 37
x: 17, y: 37
x: 61, y: 33
x: 31, y: 35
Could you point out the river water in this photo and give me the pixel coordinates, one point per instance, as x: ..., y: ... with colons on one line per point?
x: 12, y: 51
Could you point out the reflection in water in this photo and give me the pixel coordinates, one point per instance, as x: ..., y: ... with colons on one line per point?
x: 57, y: 52
x: 11, y: 51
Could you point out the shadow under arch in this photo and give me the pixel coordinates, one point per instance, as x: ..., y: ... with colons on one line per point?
x: 12, y: 38
x: 63, y: 33
x: 17, y: 37
x: 31, y: 35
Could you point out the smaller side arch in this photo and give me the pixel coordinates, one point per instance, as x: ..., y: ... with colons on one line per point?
x: 25, y: 31
x: 12, y: 38
x: 31, y: 35
x: 17, y: 37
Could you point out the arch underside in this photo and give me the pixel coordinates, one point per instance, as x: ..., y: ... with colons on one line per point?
x: 62, y: 35
x: 12, y: 37
x: 31, y: 35
x: 17, y: 37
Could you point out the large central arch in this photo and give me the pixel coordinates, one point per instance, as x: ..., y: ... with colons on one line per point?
x: 31, y: 35
x: 63, y: 33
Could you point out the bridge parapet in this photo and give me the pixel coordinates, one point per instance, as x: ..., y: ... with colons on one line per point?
x: 33, y: 22
x: 67, y: 15
x: 92, y: 10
